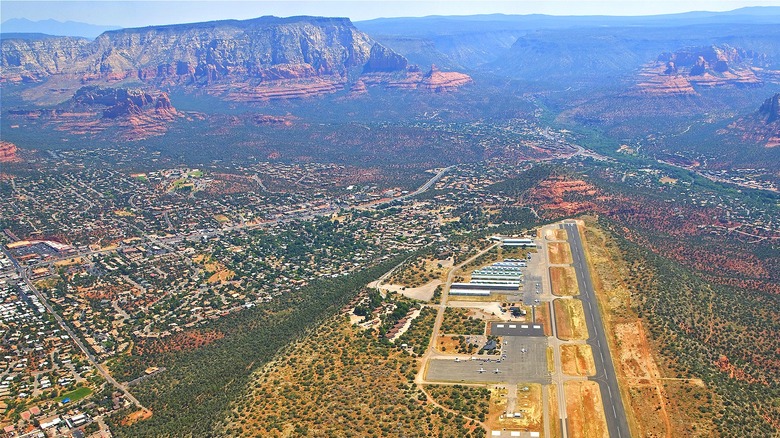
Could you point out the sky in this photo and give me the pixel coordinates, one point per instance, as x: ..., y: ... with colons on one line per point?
x: 146, y: 12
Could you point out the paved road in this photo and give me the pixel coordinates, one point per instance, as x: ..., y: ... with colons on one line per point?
x: 431, y: 349
x: 197, y: 235
x: 605, y: 370
x: 423, y: 188
x: 92, y: 359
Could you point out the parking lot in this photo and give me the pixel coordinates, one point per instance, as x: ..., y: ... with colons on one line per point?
x: 525, y: 361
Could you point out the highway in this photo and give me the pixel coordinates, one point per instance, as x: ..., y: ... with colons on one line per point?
x: 423, y: 188
x: 605, y: 369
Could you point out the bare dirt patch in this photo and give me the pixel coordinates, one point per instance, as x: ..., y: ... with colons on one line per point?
x: 447, y: 345
x: 585, y: 410
x: 69, y: 262
x: 634, y: 355
x: 529, y: 402
x: 564, y: 281
x: 221, y: 276
x: 543, y: 317
x: 578, y: 360
x: 555, y: 425
x: 422, y: 293
x: 657, y: 406
x: 570, y: 320
x: 134, y: 417
x: 559, y: 253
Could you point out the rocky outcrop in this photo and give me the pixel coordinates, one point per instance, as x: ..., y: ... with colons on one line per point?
x: 95, y: 95
x: 121, y: 102
x: 761, y: 127
x: 267, y: 120
x: 770, y: 109
x: 382, y: 59
x: 358, y: 88
x: 7, y: 152
x: 436, y: 80
x: 681, y: 72
x: 30, y: 60
x: 666, y: 85
x: 137, y: 113
x: 275, y: 90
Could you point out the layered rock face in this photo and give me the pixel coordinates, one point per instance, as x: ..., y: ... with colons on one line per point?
x: 252, y: 60
x: 761, y: 127
x: 266, y: 50
x: 7, y: 152
x: 682, y: 72
x: 434, y: 80
x: 437, y: 80
x: 122, y: 102
x: 30, y: 60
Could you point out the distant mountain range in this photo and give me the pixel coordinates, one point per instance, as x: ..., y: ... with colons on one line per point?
x: 509, y: 44
x: 53, y: 27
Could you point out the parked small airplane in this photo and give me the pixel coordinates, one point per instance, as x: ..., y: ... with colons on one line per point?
x: 496, y: 371
x: 481, y: 370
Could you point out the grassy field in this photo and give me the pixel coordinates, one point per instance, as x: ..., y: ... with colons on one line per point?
x: 585, y: 410
x: 577, y: 360
x: 559, y: 253
x: 555, y: 426
x: 75, y: 395
x: 564, y: 281
x: 570, y: 319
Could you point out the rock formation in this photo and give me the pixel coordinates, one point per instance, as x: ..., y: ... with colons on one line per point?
x: 682, y: 72
x: 7, y: 152
x: 262, y: 57
x: 121, y: 102
x: 770, y: 110
x: 437, y: 80
x: 761, y: 127
x: 137, y: 113
x: 382, y: 59
x: 250, y: 60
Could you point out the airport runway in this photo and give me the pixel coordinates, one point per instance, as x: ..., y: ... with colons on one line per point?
x: 605, y: 370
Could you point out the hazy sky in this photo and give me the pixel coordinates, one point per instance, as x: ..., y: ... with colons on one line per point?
x: 143, y: 13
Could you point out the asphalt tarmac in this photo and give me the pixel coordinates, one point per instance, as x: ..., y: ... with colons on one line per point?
x: 605, y: 370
